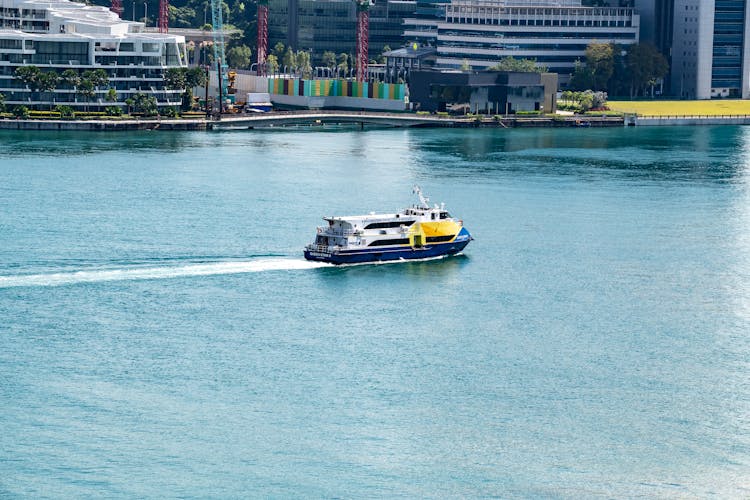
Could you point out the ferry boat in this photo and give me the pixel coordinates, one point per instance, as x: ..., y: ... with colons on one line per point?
x: 417, y: 232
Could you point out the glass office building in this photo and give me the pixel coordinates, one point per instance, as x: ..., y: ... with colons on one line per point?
x: 331, y: 25
x: 710, y: 53
x: 728, y: 43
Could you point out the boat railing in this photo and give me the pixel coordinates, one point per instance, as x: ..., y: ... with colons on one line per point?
x: 313, y: 247
x: 339, y: 232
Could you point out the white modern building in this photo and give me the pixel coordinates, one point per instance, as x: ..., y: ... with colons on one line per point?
x: 554, y: 32
x: 57, y: 35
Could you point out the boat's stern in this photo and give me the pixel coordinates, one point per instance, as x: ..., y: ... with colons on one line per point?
x: 321, y: 253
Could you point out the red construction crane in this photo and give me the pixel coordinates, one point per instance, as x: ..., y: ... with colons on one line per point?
x: 163, y: 16
x: 262, y: 36
x: 116, y: 7
x: 363, y: 38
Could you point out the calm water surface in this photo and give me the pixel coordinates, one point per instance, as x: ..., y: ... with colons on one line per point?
x: 160, y: 335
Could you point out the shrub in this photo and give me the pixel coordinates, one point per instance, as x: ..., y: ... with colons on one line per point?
x: 21, y: 111
x: 603, y: 112
x: 65, y: 111
x: 113, y: 111
x: 569, y: 107
x: 599, y: 99
x: 44, y: 114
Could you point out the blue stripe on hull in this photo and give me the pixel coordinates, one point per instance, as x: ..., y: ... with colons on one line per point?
x: 388, y: 254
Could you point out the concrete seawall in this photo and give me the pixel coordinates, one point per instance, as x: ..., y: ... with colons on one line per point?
x: 104, y: 125
x: 668, y: 121
x: 362, y: 118
x: 311, y: 118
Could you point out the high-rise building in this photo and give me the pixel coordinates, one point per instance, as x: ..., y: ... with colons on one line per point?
x: 710, y: 52
x: 331, y: 25
x: 59, y: 35
x: 705, y: 42
x: 554, y: 32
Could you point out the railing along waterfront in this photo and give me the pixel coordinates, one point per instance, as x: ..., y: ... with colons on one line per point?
x: 693, y: 117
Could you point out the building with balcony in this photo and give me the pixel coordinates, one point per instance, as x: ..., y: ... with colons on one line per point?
x: 58, y: 35
x: 482, y: 32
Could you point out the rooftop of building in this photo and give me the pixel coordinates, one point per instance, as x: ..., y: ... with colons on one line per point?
x: 77, y: 20
x: 73, y: 11
x: 411, y: 52
x: 155, y: 37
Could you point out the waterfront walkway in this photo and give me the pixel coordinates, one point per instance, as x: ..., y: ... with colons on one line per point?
x: 373, y: 118
x: 315, y: 118
x: 321, y: 117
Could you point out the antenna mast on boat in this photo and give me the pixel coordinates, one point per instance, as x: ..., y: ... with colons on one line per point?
x: 423, y: 200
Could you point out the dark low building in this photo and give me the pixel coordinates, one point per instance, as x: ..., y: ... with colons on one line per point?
x: 399, y: 62
x: 492, y: 92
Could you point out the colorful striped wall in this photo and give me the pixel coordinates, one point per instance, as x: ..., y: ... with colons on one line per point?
x: 336, y: 88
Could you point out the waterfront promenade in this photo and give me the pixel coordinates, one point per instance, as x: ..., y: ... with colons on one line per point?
x: 315, y: 118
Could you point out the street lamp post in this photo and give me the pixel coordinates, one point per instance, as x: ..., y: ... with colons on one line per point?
x: 208, y: 80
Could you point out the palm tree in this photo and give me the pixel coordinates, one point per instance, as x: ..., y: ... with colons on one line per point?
x: 86, y: 89
x: 47, y: 82
x: 91, y: 80
x: 72, y: 79
x: 129, y: 102
x: 29, y: 75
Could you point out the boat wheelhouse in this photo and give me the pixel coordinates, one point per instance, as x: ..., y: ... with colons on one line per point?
x: 417, y: 232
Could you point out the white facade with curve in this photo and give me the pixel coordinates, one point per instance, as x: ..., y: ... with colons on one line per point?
x: 57, y: 35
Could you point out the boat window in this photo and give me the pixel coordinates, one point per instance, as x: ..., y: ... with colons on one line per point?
x: 383, y: 225
x: 398, y: 241
x: 439, y: 239
x: 320, y: 240
x: 433, y: 215
x: 445, y: 215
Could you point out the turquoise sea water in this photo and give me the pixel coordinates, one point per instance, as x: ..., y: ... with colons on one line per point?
x: 161, y: 336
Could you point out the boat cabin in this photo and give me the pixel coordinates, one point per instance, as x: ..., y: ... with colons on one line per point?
x: 429, y: 213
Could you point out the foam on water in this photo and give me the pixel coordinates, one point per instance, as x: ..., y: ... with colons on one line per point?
x: 145, y: 273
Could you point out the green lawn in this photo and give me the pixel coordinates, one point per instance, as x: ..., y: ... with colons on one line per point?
x: 682, y: 108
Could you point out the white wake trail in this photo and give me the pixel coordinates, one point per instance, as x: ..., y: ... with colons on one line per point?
x: 146, y: 273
